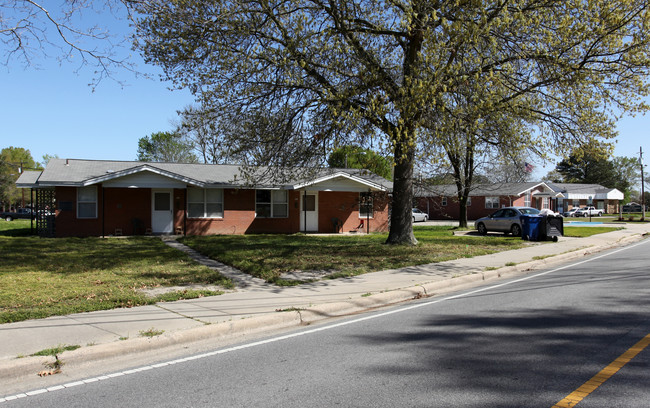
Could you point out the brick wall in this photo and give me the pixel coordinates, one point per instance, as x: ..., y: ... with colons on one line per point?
x: 344, y: 206
x: 128, y: 211
x: 451, y: 211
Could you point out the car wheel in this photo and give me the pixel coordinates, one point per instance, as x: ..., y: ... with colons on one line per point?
x: 515, y: 230
x: 413, y: 219
x: 8, y: 218
x: 425, y: 219
x: 481, y: 229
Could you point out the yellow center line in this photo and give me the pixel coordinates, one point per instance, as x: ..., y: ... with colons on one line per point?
x: 590, y: 386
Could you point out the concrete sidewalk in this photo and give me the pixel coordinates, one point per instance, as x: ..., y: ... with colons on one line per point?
x: 256, y: 306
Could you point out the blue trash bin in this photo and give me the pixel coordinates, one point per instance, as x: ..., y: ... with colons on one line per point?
x: 531, y: 226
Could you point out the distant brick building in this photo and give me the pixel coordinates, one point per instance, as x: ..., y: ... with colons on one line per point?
x: 441, y: 202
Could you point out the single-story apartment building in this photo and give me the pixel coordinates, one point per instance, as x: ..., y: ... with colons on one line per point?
x: 440, y: 201
x: 99, y: 198
x: 580, y: 195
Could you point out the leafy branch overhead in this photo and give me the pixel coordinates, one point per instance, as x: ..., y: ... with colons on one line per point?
x: 401, y: 75
x: 76, y: 32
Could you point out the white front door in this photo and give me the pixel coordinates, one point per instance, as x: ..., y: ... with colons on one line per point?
x: 309, y: 211
x: 162, y: 218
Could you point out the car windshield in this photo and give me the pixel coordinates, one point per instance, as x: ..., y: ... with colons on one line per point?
x: 529, y: 211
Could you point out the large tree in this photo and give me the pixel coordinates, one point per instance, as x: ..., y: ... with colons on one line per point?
x: 369, y: 72
x: 13, y: 162
x: 356, y: 157
x: 246, y: 138
x: 594, y: 167
x: 165, y: 147
x: 478, y: 140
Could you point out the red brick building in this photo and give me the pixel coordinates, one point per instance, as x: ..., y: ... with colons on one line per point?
x: 99, y: 198
x: 441, y: 202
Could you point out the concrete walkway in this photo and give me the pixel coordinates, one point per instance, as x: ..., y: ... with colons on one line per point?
x: 257, y: 306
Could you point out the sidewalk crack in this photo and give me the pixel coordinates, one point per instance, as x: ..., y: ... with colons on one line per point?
x: 182, y: 315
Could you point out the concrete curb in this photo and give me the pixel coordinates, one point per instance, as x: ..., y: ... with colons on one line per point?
x: 31, y: 366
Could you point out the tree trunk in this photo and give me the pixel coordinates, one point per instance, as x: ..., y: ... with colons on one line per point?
x: 401, y: 217
x: 462, y: 214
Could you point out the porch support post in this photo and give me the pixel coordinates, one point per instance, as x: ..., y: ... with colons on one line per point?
x: 103, y: 213
x: 34, y: 211
x: 185, y: 220
x: 304, y: 209
x: 369, y: 204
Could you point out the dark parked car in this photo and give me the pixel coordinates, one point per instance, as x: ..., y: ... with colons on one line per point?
x: 571, y: 212
x: 506, y: 220
x: 20, y: 213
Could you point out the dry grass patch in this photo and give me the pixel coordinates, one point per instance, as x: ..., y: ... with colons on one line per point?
x: 46, y: 277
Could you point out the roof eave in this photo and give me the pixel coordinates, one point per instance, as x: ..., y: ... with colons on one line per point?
x: 359, y: 180
x: 140, y: 169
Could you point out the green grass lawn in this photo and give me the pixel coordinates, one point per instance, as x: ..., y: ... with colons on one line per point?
x: 15, y: 228
x: 45, y: 277
x: 42, y: 277
x: 269, y: 256
x: 581, y: 232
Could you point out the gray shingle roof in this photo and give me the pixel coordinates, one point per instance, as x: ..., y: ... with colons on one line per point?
x: 569, y: 190
x: 497, y: 189
x: 578, y: 188
x: 28, y: 178
x: 74, y: 172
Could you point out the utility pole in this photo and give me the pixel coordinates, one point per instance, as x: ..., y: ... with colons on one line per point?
x: 642, y: 183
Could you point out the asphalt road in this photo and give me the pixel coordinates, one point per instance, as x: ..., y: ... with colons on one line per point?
x: 527, y: 342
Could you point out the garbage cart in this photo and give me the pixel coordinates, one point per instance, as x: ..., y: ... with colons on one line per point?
x: 530, y: 227
x: 553, y: 227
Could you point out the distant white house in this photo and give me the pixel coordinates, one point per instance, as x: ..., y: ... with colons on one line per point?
x: 580, y: 195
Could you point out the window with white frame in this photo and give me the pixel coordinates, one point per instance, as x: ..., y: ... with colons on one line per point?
x: 443, y: 201
x: 545, y: 203
x: 527, y: 198
x: 204, y: 202
x: 491, y: 202
x: 365, y: 205
x: 87, y: 202
x: 271, y: 204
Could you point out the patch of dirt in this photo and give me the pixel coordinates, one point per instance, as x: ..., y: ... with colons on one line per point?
x: 306, y: 275
x: 153, y: 292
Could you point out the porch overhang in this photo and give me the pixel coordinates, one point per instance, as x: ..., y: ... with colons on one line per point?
x: 115, y: 175
x: 340, y: 181
x: 548, y: 194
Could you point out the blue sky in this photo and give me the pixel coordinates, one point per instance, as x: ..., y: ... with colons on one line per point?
x: 51, y: 110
